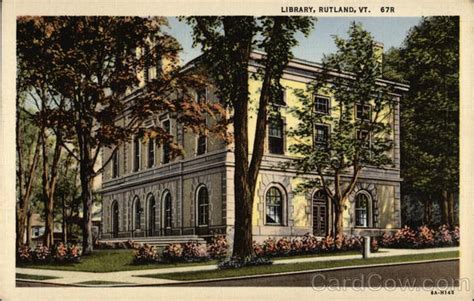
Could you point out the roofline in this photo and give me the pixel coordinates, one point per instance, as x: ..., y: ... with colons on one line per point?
x: 302, y: 64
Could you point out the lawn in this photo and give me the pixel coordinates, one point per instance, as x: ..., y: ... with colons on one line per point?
x: 102, y: 261
x: 100, y: 282
x: 34, y: 277
x: 271, y: 269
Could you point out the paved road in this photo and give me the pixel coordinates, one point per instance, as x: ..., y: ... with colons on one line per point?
x: 36, y: 284
x: 413, y: 275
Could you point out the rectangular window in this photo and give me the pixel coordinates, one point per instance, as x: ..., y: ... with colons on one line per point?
x: 322, y: 104
x: 115, y: 164
x: 364, y: 136
x: 151, y: 153
x: 201, y: 145
x: 166, y: 147
x: 321, y: 134
x: 363, y: 112
x: 275, y: 136
x: 136, y: 154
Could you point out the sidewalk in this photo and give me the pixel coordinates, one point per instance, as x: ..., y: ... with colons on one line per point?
x: 128, y: 277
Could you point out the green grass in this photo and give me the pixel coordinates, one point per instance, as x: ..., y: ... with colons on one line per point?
x: 100, y: 282
x: 270, y: 269
x: 319, y: 255
x: 102, y: 261
x: 34, y: 277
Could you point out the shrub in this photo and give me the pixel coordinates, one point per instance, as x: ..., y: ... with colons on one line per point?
x: 218, y: 247
x: 194, y: 251
x: 60, y: 252
x: 236, y: 262
x: 270, y: 247
x: 310, y: 243
x: 423, y: 237
x: 327, y: 244
x: 173, y: 252
x: 41, y: 254
x: 24, y: 254
x: 145, y: 255
x: 258, y: 249
x: 283, y: 246
x: 73, y: 254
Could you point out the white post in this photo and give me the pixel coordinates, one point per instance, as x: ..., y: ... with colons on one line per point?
x: 366, y: 247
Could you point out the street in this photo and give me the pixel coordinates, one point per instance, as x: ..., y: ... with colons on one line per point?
x: 385, y: 276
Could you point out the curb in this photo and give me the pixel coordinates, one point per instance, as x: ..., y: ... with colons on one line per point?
x: 302, y: 272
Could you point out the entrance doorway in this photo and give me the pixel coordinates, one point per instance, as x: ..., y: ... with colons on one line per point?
x: 151, y: 216
x: 115, y: 220
x: 320, y: 213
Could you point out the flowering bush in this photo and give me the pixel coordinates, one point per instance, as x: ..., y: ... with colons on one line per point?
x: 327, y: 244
x: 218, y: 247
x: 309, y: 244
x: 283, y: 246
x: 41, y: 254
x: 60, y: 252
x: 270, y: 247
x: 194, y: 251
x: 258, y: 249
x: 236, y: 262
x: 173, y: 252
x: 423, y: 237
x: 24, y: 254
x: 145, y: 254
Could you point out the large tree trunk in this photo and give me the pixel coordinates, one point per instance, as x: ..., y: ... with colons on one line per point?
x: 28, y: 228
x: 87, y: 199
x: 243, y: 240
x: 338, y: 206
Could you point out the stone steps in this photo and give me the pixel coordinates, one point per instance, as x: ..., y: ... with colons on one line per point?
x: 158, y: 241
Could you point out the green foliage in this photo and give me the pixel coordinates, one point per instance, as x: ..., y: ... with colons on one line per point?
x: 429, y: 61
x: 351, y: 77
x: 222, y: 40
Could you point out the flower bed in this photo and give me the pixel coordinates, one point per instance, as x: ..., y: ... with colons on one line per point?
x: 422, y: 237
x: 146, y: 254
x: 309, y: 244
x: 59, y: 253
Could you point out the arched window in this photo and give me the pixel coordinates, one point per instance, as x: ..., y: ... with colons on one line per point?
x: 151, y: 215
x: 115, y: 219
x: 362, y: 210
x: 137, y: 213
x: 274, y: 206
x: 203, y: 206
x: 167, y: 210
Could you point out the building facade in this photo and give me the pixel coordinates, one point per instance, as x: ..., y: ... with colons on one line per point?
x: 147, y: 194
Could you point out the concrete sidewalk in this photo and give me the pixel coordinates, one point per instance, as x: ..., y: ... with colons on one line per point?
x: 129, y: 277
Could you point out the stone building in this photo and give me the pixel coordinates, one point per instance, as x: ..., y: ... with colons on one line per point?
x: 147, y: 194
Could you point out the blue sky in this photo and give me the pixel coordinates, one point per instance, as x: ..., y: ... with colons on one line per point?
x: 391, y: 31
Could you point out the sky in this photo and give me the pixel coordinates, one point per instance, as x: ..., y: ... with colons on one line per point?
x: 391, y: 31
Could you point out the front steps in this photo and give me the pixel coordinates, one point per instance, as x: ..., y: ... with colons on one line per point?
x: 158, y: 241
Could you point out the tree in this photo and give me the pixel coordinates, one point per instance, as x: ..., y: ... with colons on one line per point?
x: 28, y: 152
x: 429, y: 61
x: 354, y: 143
x: 35, y: 80
x: 94, y: 63
x: 227, y: 43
